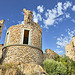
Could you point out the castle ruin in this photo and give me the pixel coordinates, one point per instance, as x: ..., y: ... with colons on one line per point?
x: 23, y: 43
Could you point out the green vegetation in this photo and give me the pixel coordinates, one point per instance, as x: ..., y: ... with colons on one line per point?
x: 54, y: 67
x: 61, y: 65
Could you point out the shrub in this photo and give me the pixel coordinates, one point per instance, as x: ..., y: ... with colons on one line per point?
x: 69, y: 63
x: 54, y: 67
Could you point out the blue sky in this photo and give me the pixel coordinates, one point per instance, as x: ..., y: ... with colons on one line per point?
x: 55, y: 17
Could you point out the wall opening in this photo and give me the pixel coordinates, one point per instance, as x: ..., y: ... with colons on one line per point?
x: 26, y: 37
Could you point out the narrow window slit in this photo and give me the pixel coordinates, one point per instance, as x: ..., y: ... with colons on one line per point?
x: 26, y: 36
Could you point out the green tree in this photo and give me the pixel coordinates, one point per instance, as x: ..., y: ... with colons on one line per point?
x: 69, y: 63
x: 54, y: 67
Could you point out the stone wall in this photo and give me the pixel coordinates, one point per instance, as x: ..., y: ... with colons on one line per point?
x: 15, y: 35
x: 70, y: 49
x: 1, y: 46
x: 1, y: 26
x: 49, y: 54
x: 22, y: 53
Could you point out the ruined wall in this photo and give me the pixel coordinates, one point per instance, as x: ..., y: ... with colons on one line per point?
x: 1, y: 46
x: 70, y: 49
x: 49, y: 54
x: 1, y: 26
x: 15, y: 35
x: 22, y: 53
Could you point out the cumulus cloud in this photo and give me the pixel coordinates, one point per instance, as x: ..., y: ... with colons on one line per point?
x: 36, y: 17
x: 63, y: 40
x: 40, y: 8
x: 73, y: 8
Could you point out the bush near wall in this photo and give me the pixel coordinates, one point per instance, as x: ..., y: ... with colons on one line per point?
x: 54, y: 67
x: 61, y: 65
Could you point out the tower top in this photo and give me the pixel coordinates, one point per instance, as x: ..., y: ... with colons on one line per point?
x: 28, y: 16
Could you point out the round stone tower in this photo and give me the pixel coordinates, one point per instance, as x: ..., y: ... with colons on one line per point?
x: 23, y: 42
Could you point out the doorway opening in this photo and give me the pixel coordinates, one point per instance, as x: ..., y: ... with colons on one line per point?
x: 26, y: 36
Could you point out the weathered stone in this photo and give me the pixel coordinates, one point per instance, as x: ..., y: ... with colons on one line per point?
x: 1, y: 26
x: 49, y: 54
x: 30, y: 54
x: 70, y: 49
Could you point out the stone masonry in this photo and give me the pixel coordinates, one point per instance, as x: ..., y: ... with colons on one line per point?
x: 70, y: 49
x: 1, y: 26
x: 23, y: 43
x: 49, y: 54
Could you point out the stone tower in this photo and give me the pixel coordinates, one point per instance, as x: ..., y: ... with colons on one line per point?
x: 70, y: 49
x: 23, y: 42
x: 1, y: 26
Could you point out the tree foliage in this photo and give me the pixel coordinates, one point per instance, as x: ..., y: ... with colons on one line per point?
x: 61, y: 65
x: 69, y: 63
x: 54, y: 67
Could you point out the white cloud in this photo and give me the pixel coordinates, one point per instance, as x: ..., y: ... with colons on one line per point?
x: 59, y: 51
x: 59, y: 8
x: 66, y: 5
x: 67, y: 15
x: 73, y: 8
x: 73, y: 20
x: 37, y: 17
x: 63, y: 40
x: 52, y: 15
x: 40, y: 8
x: 57, y: 14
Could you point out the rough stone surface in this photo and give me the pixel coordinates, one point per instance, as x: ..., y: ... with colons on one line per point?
x: 22, y: 54
x: 22, y: 69
x: 49, y: 54
x: 1, y: 46
x: 30, y: 54
x: 1, y: 26
x: 15, y: 34
x: 32, y: 69
x: 70, y: 49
